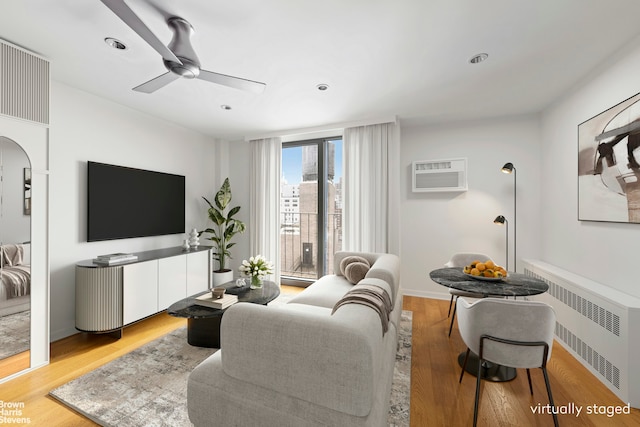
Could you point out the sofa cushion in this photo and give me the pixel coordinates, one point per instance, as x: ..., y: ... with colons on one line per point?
x: 351, y: 259
x: 356, y: 271
x: 325, y: 292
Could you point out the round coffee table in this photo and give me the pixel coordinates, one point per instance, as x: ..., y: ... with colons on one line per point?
x: 203, y: 324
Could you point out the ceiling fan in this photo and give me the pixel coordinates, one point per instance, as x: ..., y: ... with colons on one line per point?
x: 179, y: 58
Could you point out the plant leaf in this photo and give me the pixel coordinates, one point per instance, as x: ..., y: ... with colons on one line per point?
x: 223, y: 197
x: 233, y: 211
x: 208, y: 202
x: 216, y: 216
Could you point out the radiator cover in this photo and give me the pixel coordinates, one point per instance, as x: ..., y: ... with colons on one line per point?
x: 598, y: 325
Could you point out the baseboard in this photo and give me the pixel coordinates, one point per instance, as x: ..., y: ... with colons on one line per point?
x: 423, y: 294
x: 62, y: 333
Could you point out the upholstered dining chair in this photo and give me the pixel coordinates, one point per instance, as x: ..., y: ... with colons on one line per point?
x: 512, y: 333
x: 460, y: 260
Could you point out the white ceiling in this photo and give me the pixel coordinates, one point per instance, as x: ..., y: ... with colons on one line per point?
x: 380, y: 57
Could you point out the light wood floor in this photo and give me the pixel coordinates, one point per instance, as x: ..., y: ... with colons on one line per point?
x: 436, y: 397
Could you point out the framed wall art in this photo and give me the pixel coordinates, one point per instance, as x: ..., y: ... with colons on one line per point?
x: 609, y: 164
x: 27, y: 191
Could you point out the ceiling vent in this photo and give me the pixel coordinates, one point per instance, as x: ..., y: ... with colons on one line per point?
x: 439, y: 175
x: 24, y: 84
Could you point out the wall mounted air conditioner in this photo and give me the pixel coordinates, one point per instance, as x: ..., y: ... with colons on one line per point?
x: 439, y: 175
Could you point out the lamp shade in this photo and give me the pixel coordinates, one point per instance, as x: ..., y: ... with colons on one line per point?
x: 500, y: 220
x: 508, y: 167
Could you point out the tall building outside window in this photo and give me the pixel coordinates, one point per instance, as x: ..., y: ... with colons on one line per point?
x: 311, y: 209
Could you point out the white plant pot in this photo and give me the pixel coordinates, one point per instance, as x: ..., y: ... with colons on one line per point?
x: 220, y: 278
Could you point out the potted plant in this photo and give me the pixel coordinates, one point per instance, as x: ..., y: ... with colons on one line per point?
x: 225, y: 226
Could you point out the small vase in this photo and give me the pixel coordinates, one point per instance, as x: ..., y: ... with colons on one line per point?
x: 256, y: 282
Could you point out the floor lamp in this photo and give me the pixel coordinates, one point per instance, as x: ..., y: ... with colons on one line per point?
x: 503, y: 221
x: 509, y: 168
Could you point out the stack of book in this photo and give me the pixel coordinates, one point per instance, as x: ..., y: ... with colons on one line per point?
x: 111, y: 259
x: 220, y: 303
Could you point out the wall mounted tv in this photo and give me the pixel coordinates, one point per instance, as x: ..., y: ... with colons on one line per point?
x: 125, y: 202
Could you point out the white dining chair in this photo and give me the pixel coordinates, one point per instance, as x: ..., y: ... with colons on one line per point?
x: 512, y: 333
x: 462, y: 259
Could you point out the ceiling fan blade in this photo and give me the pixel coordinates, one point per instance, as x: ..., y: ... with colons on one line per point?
x: 234, y: 82
x: 124, y: 12
x: 157, y: 83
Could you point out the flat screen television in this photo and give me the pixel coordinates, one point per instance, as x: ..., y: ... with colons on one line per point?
x: 125, y: 202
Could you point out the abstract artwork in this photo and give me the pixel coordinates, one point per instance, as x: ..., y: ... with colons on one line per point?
x: 609, y: 164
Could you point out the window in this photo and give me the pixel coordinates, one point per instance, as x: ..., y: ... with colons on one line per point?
x: 311, y: 209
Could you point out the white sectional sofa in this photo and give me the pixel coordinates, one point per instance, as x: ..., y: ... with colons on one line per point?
x: 297, y: 364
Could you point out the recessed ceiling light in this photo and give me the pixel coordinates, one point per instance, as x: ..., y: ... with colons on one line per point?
x: 322, y: 86
x: 225, y: 107
x: 476, y: 59
x: 115, y: 43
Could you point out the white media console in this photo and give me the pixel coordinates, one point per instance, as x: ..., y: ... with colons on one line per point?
x: 111, y: 297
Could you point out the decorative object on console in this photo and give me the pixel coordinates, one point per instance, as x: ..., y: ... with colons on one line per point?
x: 509, y: 168
x: 194, y: 240
x: 257, y: 268
x: 186, y: 245
x: 225, y: 227
x: 608, y: 168
x: 112, y: 259
x: 503, y: 221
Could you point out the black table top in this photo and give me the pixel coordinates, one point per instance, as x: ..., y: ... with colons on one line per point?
x: 515, y: 284
x: 188, y: 308
x: 148, y: 256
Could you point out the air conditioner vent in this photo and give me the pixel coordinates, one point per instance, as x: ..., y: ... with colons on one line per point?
x: 439, y: 175
x: 24, y: 84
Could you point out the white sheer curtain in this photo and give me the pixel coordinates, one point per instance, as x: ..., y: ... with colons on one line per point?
x: 264, y: 206
x: 371, y: 188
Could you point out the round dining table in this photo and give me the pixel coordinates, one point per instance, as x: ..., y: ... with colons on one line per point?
x: 514, y: 285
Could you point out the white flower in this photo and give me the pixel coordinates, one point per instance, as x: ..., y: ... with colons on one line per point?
x: 256, y: 266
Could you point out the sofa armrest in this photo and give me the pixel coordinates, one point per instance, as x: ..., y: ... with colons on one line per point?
x: 305, y: 352
x: 387, y: 268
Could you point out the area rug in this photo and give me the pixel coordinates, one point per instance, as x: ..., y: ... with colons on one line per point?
x: 148, y: 387
x: 15, y: 333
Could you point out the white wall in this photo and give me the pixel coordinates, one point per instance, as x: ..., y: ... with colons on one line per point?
x: 436, y: 225
x: 85, y: 127
x: 604, y: 252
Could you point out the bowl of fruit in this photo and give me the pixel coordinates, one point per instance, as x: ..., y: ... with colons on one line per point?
x: 485, y: 270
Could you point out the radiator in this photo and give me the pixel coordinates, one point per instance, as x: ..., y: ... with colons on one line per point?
x: 598, y: 325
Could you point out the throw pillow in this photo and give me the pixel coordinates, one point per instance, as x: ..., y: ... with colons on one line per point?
x: 356, y: 271
x: 348, y: 260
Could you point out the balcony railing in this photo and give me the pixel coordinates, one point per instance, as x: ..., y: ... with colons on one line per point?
x: 299, y: 244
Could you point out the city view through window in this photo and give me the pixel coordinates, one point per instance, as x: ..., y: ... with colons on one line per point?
x: 310, y: 208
